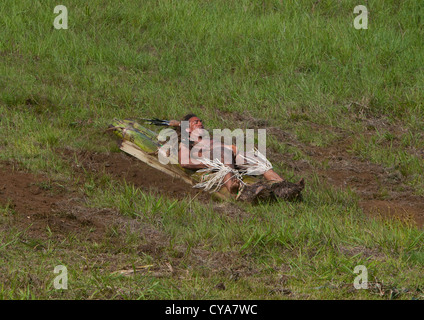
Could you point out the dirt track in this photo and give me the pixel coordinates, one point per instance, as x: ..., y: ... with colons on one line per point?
x: 39, y: 204
x: 345, y: 170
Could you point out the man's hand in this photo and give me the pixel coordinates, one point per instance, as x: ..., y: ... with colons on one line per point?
x: 174, y: 123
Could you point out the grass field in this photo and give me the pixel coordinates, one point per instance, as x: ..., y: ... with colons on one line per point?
x: 334, y: 100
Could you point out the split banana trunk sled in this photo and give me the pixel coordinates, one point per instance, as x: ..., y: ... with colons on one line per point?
x: 143, y: 144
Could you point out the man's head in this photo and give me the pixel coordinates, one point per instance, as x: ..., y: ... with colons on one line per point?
x: 193, y: 122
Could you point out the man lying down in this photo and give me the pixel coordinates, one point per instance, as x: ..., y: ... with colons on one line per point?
x: 198, y: 152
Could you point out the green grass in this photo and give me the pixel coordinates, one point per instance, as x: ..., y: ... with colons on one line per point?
x: 300, y: 66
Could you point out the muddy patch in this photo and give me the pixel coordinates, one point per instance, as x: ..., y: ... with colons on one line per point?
x: 403, y: 210
x: 383, y: 192
x: 128, y: 169
x: 43, y: 208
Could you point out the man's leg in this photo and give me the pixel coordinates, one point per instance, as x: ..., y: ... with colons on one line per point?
x: 230, y: 181
x: 272, y: 176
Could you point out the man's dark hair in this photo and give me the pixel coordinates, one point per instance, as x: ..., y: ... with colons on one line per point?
x: 189, y: 116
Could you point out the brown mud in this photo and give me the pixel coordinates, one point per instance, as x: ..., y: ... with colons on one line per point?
x: 126, y: 168
x: 42, y: 206
x: 39, y: 206
x: 382, y: 191
x: 44, y: 209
